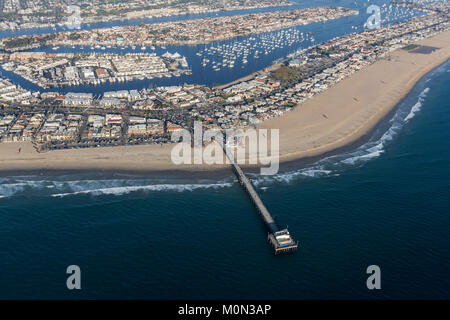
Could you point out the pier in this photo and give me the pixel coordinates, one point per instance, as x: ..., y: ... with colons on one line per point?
x: 280, y: 239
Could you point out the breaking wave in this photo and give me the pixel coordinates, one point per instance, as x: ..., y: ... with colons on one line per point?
x: 157, y: 187
x: 416, y: 108
x: 38, y: 186
x: 70, y: 186
x: 64, y: 186
x: 374, y: 148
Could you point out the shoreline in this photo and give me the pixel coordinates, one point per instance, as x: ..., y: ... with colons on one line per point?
x: 371, y: 106
x: 354, y: 108
x: 217, y: 173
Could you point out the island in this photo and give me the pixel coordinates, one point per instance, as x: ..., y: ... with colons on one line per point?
x: 27, y: 14
x: 191, y: 32
x: 50, y: 70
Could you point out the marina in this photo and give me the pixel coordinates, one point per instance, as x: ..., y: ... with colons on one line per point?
x: 257, y: 97
x: 50, y: 70
x: 223, y: 61
x: 88, y: 177
x: 222, y: 253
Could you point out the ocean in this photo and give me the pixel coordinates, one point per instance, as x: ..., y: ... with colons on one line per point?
x: 382, y: 202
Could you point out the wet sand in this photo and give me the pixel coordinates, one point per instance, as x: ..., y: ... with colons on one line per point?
x: 352, y: 108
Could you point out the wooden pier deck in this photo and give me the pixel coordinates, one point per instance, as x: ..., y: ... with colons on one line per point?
x: 280, y: 239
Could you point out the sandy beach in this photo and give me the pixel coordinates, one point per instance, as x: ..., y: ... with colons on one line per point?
x: 335, y: 118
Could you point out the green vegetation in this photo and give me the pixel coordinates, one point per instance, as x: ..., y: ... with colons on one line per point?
x: 288, y: 105
x: 74, y: 36
x: 18, y: 42
x: 410, y: 47
x: 285, y: 73
x: 27, y: 41
x: 327, y: 51
x: 7, y: 15
x: 227, y: 95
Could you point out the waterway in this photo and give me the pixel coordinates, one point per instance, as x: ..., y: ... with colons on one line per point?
x: 185, y: 237
x: 276, y: 44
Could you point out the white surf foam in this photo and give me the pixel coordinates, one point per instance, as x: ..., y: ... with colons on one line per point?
x: 156, y: 187
x: 10, y: 189
x: 309, y: 172
x: 41, y: 186
x: 331, y: 166
x: 416, y: 108
x: 365, y: 157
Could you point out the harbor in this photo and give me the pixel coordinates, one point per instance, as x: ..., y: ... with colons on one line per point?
x: 351, y: 123
x: 215, y: 63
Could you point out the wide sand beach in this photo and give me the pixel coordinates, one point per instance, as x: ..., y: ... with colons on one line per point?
x: 331, y: 120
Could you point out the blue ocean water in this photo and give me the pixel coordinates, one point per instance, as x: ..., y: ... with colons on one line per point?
x: 385, y: 202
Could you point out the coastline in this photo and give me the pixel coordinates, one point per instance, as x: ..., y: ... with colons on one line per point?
x: 353, y: 108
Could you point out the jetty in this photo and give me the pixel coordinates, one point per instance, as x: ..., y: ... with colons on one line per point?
x: 280, y: 239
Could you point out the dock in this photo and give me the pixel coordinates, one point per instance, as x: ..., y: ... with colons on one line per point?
x: 280, y: 239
